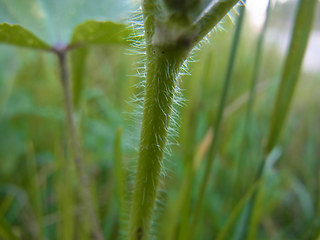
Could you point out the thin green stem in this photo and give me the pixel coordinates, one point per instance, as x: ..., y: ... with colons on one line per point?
x: 290, y: 75
x: 119, y: 171
x: 75, y: 144
x: 248, y: 116
x: 217, y: 124
x: 211, y: 17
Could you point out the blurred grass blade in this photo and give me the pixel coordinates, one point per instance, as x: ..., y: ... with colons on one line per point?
x: 119, y: 169
x: 78, y: 69
x: 290, y: 75
x: 236, y: 211
x: 217, y: 124
x: 316, y: 225
x: 34, y: 190
x: 246, y: 220
x: 185, y: 195
x: 179, y: 219
x: 65, y: 188
x: 304, y: 197
x: 95, y: 33
x: 21, y: 37
x: 245, y: 146
x: 302, y: 29
x: 6, y: 231
x: 258, y: 195
x: 120, y: 185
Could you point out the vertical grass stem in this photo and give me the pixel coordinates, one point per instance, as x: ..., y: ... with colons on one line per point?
x: 217, y: 123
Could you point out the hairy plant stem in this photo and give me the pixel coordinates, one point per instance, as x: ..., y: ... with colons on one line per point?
x: 75, y: 146
x: 162, y: 71
x: 167, y: 48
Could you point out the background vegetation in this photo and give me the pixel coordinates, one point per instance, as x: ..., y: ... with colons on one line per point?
x: 38, y: 185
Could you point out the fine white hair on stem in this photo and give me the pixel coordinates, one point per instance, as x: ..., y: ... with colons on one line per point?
x: 160, y: 105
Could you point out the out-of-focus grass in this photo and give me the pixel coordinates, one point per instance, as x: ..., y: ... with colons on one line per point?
x: 38, y: 188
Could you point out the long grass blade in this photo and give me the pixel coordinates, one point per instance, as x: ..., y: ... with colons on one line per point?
x: 242, y: 224
x: 299, y: 40
x: 245, y: 145
x: 236, y: 211
x: 290, y: 75
x: 217, y: 124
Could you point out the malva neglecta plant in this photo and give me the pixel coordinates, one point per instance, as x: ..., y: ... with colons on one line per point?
x: 168, y: 31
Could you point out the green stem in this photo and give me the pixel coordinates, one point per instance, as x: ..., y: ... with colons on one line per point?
x: 167, y: 47
x: 290, y: 75
x: 162, y: 71
x: 75, y: 143
x: 245, y: 145
x: 217, y: 124
x: 211, y: 17
x: 248, y: 117
x: 119, y: 170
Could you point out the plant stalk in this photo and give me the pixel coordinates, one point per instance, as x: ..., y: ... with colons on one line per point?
x: 162, y: 71
x: 166, y: 50
x: 75, y: 145
x: 248, y: 117
x: 217, y: 123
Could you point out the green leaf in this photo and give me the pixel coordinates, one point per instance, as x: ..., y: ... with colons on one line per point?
x: 19, y: 36
x: 93, y: 32
x: 54, y: 21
